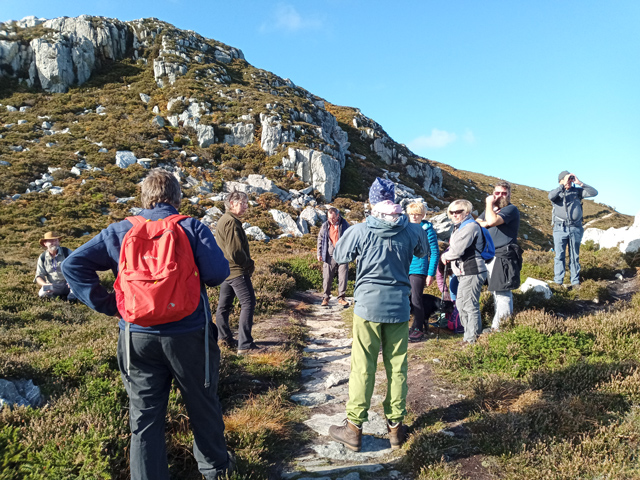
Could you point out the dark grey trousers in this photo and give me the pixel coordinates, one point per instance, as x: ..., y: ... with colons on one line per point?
x: 418, y: 283
x: 329, y: 271
x: 242, y: 288
x: 154, y: 361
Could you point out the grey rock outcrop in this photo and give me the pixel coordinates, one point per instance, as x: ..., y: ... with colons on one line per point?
x: 256, y: 234
x: 206, y: 135
x: 125, y: 158
x: 285, y: 222
x: 442, y: 225
x: 320, y: 170
x: 241, y: 134
x: 273, y: 133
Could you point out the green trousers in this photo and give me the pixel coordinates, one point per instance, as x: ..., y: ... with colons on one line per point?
x: 367, y: 337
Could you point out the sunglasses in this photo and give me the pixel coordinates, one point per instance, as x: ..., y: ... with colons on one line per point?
x: 456, y: 212
x: 498, y: 194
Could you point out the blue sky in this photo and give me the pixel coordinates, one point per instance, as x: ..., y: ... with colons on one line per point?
x: 518, y: 90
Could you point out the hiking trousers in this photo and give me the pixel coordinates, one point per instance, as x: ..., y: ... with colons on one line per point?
x: 563, y: 236
x: 154, y: 361
x: 329, y: 271
x: 242, y: 288
x: 503, y: 302
x: 468, y: 303
x: 367, y: 338
x: 418, y: 283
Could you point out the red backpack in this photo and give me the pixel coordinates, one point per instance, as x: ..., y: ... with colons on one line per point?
x: 158, y: 281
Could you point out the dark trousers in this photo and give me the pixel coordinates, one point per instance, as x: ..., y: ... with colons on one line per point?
x: 329, y: 271
x: 242, y: 288
x: 154, y: 361
x: 417, y: 306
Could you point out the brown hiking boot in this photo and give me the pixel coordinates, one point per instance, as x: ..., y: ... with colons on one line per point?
x: 325, y: 302
x: 349, y: 434
x: 397, y: 434
x: 343, y: 302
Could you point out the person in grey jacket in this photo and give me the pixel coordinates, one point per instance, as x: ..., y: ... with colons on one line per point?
x: 567, y: 223
x: 384, y: 246
x: 464, y: 256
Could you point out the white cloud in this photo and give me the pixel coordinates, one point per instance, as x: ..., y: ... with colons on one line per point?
x: 437, y: 139
x: 287, y: 19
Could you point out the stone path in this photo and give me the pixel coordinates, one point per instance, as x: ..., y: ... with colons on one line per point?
x: 324, y: 392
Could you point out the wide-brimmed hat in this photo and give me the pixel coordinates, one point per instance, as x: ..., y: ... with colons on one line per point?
x: 50, y: 236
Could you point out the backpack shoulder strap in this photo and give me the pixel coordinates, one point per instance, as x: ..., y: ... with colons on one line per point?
x: 136, y: 220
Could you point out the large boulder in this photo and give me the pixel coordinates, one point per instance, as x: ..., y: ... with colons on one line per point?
x: 241, y: 134
x: 316, y: 168
x: 536, y: 285
x: 273, y: 133
x: 206, y: 135
x: 285, y: 222
x: 125, y: 158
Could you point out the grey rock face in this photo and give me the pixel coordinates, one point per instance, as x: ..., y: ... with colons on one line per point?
x: 317, y: 168
x: 285, y: 222
x: 431, y: 177
x: 206, y: 135
x: 158, y: 121
x: 442, y: 225
x: 273, y: 133
x: 241, y: 134
x: 256, y: 234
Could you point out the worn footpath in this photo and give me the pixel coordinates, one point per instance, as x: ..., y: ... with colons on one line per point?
x: 324, y: 392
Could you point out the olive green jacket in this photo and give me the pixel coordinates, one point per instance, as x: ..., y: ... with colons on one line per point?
x: 234, y: 244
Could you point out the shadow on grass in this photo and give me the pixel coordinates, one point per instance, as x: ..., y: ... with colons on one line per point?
x: 504, y: 415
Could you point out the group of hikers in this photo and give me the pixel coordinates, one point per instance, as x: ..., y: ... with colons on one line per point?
x: 164, y: 261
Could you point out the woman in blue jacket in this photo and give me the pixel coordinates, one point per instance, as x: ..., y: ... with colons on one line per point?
x: 422, y: 270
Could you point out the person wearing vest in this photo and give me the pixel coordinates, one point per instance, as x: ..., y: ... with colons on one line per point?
x: 235, y: 245
x: 464, y: 256
x: 49, y: 269
x: 150, y: 357
x: 502, y: 219
x: 567, y: 224
x: 330, y: 232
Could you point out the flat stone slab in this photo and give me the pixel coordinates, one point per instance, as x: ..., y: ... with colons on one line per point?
x: 372, y: 447
x: 320, y: 423
x: 311, y: 399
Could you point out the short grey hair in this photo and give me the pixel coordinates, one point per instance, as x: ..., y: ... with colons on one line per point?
x: 160, y: 186
x: 234, y: 197
x: 460, y: 204
x: 333, y: 209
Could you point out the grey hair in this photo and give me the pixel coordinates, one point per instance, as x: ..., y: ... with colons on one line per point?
x: 160, y: 186
x: 463, y: 204
x: 234, y: 197
x: 333, y: 209
x: 505, y: 185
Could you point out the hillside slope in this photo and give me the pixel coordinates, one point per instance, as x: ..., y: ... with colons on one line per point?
x: 88, y: 103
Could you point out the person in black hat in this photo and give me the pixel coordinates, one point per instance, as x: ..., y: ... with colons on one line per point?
x: 567, y: 223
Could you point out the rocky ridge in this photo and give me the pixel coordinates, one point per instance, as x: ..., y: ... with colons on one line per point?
x: 296, y: 126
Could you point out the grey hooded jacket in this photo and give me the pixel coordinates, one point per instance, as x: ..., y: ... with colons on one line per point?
x: 465, y: 247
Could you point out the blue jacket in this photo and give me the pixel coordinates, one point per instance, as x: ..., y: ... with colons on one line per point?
x: 384, y: 251
x: 324, y: 240
x: 428, y: 264
x: 102, y: 253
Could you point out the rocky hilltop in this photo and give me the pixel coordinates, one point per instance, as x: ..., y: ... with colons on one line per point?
x: 88, y: 103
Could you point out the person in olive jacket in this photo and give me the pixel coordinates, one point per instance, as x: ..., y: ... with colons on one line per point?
x: 235, y: 246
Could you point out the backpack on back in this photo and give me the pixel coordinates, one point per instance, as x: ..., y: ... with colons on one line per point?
x: 158, y: 281
x: 454, y: 322
x: 489, y: 250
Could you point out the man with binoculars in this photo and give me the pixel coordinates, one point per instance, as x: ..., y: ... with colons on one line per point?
x: 567, y: 223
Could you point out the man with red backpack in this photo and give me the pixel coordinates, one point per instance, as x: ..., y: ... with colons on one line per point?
x: 166, y: 330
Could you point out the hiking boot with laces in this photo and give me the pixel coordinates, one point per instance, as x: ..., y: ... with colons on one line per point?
x: 415, y: 335
x: 343, y: 302
x: 325, y: 302
x: 348, y: 434
x: 397, y: 434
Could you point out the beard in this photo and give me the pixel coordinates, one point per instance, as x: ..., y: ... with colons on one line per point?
x: 502, y: 202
